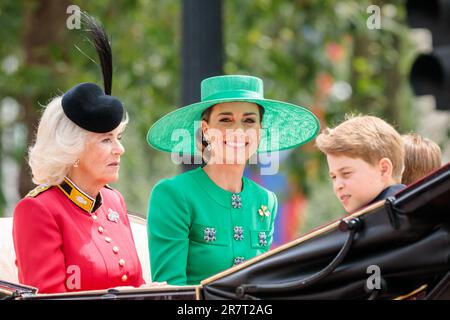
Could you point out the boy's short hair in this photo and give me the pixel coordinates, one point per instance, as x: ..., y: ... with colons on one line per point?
x: 366, y: 137
x: 422, y: 156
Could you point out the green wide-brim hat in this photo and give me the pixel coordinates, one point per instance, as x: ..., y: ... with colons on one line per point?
x: 284, y: 125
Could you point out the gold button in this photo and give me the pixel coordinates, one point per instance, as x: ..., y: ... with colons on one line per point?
x: 124, y: 278
x: 108, y: 239
x: 100, y: 229
x: 121, y: 262
x: 115, y: 249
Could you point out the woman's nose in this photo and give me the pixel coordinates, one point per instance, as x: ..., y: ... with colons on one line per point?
x: 118, y: 148
x: 236, y: 134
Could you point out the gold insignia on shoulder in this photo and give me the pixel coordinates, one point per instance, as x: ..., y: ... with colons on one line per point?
x: 38, y: 190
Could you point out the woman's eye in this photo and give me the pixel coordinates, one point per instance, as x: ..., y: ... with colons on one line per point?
x: 107, y: 140
x: 249, y: 120
x: 346, y: 174
x: 225, y: 120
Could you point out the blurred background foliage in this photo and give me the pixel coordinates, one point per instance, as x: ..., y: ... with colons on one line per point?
x: 319, y: 54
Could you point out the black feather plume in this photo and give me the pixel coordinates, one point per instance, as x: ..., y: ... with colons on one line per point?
x: 102, y: 46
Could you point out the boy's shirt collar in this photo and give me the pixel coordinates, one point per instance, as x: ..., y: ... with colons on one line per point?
x: 389, y: 191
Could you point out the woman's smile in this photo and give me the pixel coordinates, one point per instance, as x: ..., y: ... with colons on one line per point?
x: 236, y: 144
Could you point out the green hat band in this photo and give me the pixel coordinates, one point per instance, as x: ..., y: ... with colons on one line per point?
x: 234, y: 94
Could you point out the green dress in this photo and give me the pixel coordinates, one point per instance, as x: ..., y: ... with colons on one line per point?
x: 197, y: 229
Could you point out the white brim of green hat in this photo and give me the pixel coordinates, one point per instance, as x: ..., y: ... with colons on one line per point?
x: 284, y: 125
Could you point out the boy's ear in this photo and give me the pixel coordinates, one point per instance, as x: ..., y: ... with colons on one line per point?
x: 385, y: 165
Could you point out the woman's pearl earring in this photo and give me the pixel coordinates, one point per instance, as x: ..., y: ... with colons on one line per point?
x: 77, y: 162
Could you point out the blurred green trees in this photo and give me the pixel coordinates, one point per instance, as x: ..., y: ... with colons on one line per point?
x: 319, y: 54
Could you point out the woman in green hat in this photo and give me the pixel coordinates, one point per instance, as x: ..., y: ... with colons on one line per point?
x: 208, y: 219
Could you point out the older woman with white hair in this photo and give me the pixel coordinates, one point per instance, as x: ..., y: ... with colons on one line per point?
x: 72, y: 232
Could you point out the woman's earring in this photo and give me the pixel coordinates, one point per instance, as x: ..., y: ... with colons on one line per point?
x: 206, y: 143
x: 77, y: 162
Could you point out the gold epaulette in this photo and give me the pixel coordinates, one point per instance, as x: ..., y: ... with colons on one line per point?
x: 38, y: 190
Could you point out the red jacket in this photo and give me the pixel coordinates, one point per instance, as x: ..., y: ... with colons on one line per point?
x: 66, y: 241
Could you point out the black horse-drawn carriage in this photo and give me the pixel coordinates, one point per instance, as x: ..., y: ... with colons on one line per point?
x: 398, y: 248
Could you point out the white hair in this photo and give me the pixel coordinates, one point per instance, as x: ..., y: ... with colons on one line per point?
x: 59, y: 143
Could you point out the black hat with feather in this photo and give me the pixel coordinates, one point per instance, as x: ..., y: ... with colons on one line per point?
x: 86, y: 104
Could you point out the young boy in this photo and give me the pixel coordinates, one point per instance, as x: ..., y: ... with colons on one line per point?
x: 421, y: 157
x: 365, y: 159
